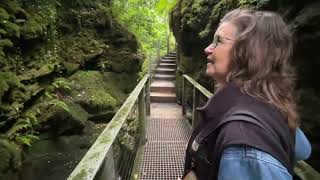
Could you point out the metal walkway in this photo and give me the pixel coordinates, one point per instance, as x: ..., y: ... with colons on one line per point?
x: 120, y: 153
x: 163, y: 154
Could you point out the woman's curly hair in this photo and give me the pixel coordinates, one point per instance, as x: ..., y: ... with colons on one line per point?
x: 260, y: 60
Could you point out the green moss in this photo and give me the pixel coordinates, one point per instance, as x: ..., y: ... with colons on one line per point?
x: 99, y: 92
x: 32, y: 29
x: 11, y: 29
x: 34, y: 73
x: 8, y: 80
x: 11, y: 6
x: 3, y: 14
x: 5, y: 43
x: 79, y: 48
x: 77, y: 112
x: 218, y: 11
x: 2, y: 32
x: 101, y: 101
x: 41, y: 21
x: 248, y: 3
x: 35, y: 54
x: 10, y: 156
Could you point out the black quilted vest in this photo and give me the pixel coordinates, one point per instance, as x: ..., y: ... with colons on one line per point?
x: 263, y: 127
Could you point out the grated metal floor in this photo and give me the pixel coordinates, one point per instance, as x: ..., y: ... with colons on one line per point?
x: 163, y: 154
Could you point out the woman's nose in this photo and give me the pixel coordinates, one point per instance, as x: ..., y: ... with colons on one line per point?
x: 208, y: 50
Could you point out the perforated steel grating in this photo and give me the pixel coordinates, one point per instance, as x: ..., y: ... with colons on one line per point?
x: 167, y: 129
x: 163, y: 154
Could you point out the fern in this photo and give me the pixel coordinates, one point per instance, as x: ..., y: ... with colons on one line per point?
x: 48, y: 95
x: 62, y: 84
x: 26, y: 139
x: 61, y: 104
x: 20, y: 125
x: 32, y: 118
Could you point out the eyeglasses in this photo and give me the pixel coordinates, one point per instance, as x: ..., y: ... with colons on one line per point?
x: 217, y: 39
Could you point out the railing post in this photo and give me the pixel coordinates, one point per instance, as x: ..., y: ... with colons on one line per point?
x: 195, y: 104
x: 183, y: 97
x: 142, y: 111
x: 147, y: 87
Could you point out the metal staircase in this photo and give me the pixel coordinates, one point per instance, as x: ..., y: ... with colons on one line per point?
x: 162, y: 87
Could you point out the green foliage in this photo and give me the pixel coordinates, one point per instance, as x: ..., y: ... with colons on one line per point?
x: 61, y: 83
x: 3, y: 14
x: 8, y: 80
x: 80, y: 3
x: 26, y: 139
x: 6, y: 43
x: 53, y: 98
x: 10, y: 155
x: 12, y: 29
x: 22, y: 132
x: 58, y: 103
x: 164, y: 6
x: 252, y: 3
x: 41, y: 22
x: 148, y: 20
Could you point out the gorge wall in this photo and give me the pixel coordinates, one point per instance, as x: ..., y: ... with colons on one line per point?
x: 64, y: 66
x: 194, y: 22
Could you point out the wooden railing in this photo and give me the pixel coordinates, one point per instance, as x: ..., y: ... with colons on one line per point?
x: 301, y: 169
x: 99, y: 161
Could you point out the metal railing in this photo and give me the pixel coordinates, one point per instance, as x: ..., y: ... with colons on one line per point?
x: 301, y: 169
x: 199, y: 96
x: 110, y: 157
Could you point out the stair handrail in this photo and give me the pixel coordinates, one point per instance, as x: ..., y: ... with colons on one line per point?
x: 93, y: 160
x: 197, y: 89
x: 301, y: 169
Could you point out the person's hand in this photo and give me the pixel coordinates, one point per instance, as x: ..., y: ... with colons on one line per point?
x: 190, y: 176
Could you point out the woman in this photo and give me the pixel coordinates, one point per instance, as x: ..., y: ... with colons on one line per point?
x: 250, y: 126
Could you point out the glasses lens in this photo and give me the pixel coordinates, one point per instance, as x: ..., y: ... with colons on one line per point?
x: 215, y: 41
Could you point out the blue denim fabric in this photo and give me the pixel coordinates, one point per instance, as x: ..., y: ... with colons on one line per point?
x: 302, y: 147
x: 246, y: 163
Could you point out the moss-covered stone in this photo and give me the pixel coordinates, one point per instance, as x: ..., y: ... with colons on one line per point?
x: 68, y: 119
x: 99, y: 92
x: 60, y: 65
x: 10, y: 157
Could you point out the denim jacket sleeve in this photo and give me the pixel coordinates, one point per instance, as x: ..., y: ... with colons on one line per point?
x: 302, y: 147
x: 246, y: 163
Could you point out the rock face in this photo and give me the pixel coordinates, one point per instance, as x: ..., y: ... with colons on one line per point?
x: 62, y: 63
x: 194, y: 22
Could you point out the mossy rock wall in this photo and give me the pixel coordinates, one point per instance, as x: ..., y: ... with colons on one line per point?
x: 194, y: 22
x: 62, y: 63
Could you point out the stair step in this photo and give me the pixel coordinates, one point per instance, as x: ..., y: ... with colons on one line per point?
x: 162, y: 89
x: 162, y: 86
x: 163, y: 97
x: 170, y: 57
x: 165, y: 70
x: 168, y: 61
x: 163, y: 77
x: 167, y: 65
